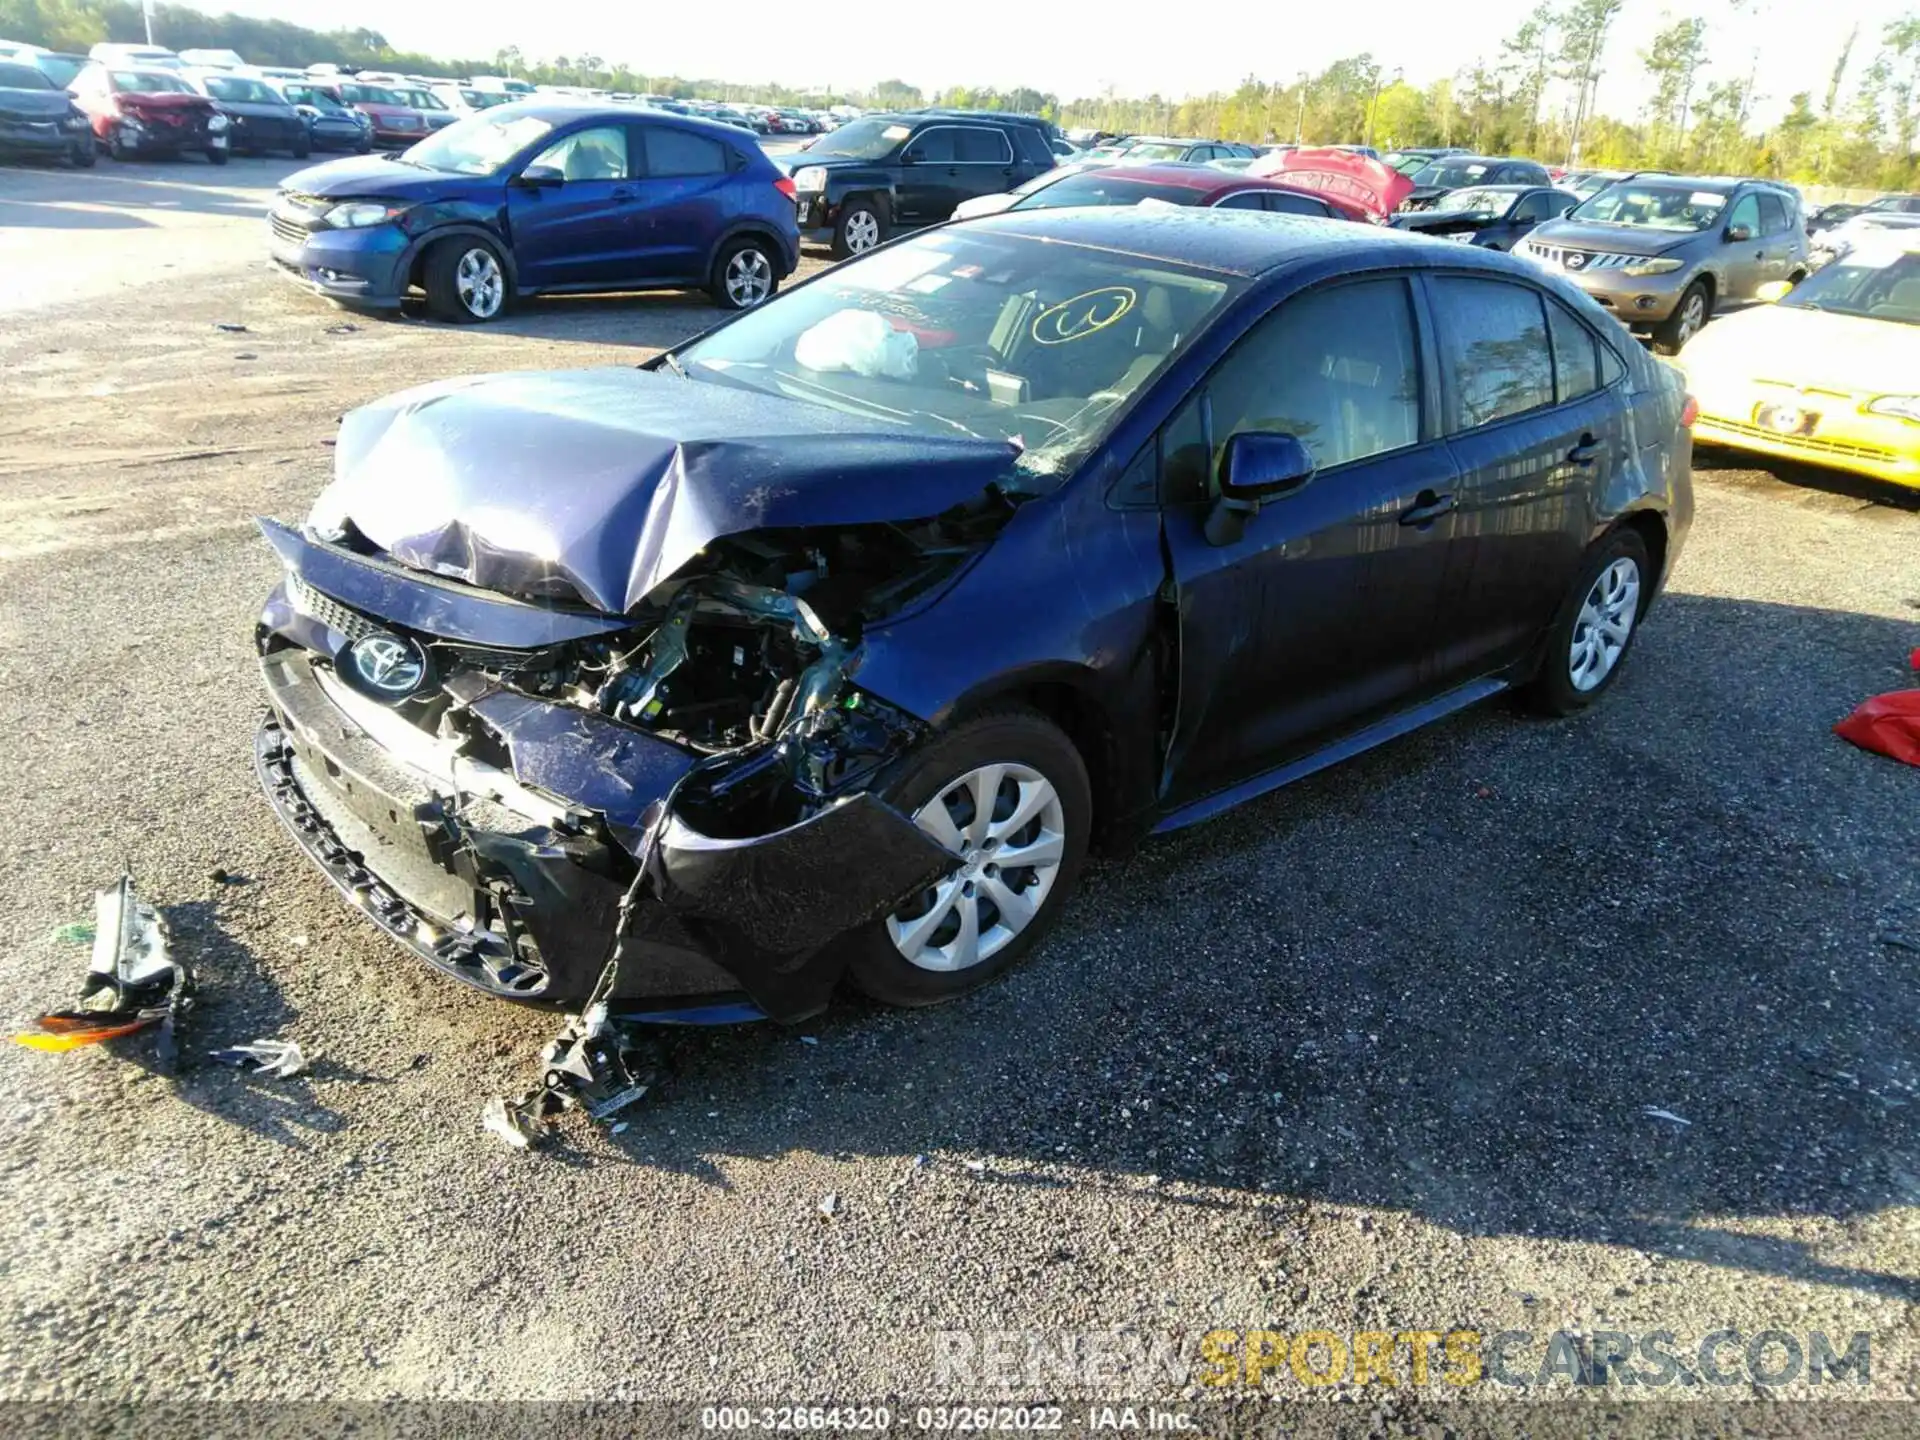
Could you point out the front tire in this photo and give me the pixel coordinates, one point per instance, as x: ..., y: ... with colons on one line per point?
x: 1006, y: 786
x: 863, y: 225
x: 1689, y: 318
x: 466, y: 281
x: 743, y: 276
x: 119, y: 149
x: 84, y: 156
x: 303, y: 150
x: 216, y: 157
x: 1595, y: 626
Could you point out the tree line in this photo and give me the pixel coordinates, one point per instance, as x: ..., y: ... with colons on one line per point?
x: 1537, y: 94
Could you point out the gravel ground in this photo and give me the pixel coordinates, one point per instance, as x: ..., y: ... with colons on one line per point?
x: 1370, y: 1053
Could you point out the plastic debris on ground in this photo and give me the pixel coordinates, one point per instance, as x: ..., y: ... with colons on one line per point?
x: 1654, y: 1112
x: 829, y: 1205
x: 1887, y: 724
x: 279, y: 1058
x: 133, y: 982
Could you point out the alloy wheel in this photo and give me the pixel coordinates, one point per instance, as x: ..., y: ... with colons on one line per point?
x: 1604, y: 624
x: 1008, y: 827
x: 863, y: 231
x: 1693, y: 315
x: 749, y: 278
x: 480, y: 284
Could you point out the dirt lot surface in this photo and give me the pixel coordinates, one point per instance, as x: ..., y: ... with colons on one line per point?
x: 1374, y: 1052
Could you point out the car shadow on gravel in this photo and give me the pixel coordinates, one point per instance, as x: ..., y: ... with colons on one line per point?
x: 1624, y: 979
x: 1718, y: 460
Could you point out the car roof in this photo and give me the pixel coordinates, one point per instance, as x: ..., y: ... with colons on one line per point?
x: 1236, y: 242
x: 560, y: 109
x: 1204, y: 178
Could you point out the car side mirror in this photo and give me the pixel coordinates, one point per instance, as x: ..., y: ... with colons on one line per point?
x: 541, y: 177
x: 1774, y: 290
x: 1739, y: 234
x: 1264, y: 465
x: 1259, y: 465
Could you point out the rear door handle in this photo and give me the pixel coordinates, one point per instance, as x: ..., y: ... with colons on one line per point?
x: 1586, y: 452
x: 1427, y: 508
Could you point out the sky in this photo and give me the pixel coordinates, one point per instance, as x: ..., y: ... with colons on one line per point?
x: 1080, y: 49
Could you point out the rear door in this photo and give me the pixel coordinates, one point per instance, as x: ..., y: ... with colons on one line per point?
x: 682, y: 200
x: 581, y: 231
x: 1317, y: 615
x: 1535, y: 434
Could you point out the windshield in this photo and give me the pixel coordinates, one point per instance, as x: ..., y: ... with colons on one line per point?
x: 1147, y: 154
x: 1876, y: 282
x: 1105, y: 187
x: 318, y: 99
x: 1449, y: 174
x: 420, y: 99
x: 862, y: 139
x: 149, y: 82
x: 479, y: 144
x: 998, y: 336
x: 1409, y: 165
x: 372, y: 95
x: 1653, y: 207
x: 1471, y: 201
x: 238, y: 87
x: 60, y: 69
x: 22, y: 77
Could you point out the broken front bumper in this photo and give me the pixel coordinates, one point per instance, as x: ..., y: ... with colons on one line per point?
x: 512, y: 883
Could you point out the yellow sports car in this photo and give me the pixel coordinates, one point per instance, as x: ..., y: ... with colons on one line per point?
x: 1829, y: 373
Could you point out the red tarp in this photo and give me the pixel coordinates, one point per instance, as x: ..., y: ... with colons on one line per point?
x: 1887, y: 724
x: 1375, y: 187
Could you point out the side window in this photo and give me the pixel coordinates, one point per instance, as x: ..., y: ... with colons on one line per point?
x: 1283, y: 204
x: 1532, y: 210
x: 1493, y: 344
x: 1773, y: 215
x: 1576, y: 355
x: 933, y: 147
x: 979, y: 145
x: 1746, y: 211
x: 1245, y: 200
x: 1183, y: 453
x: 596, y: 154
x: 1336, y: 367
x: 673, y: 152
x: 1611, y: 368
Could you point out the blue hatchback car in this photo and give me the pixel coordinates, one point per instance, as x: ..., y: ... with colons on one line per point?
x: 542, y: 198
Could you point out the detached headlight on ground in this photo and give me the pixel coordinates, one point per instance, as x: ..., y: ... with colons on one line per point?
x: 1653, y: 267
x: 1901, y: 407
x: 810, y: 177
x: 359, y: 214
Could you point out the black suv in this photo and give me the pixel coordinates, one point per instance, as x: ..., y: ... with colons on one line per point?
x: 882, y: 174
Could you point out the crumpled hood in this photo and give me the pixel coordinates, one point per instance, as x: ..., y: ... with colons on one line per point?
x: 163, y: 101
x: 1612, y: 239
x: 354, y: 176
x: 597, y: 485
x: 1358, y: 179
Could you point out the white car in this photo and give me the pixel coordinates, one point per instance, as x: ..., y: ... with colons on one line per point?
x: 1831, y: 245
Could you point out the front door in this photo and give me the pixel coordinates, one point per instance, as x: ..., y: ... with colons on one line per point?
x: 582, y: 230
x: 1316, y: 617
x: 928, y: 186
x: 1746, y: 260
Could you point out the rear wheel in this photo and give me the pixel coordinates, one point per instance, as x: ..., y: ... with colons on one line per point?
x: 1595, y: 626
x: 1688, y: 319
x: 1008, y: 795
x: 743, y: 276
x: 465, y: 281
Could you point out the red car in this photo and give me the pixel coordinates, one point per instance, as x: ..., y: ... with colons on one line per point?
x: 396, y: 124
x: 149, y: 112
x: 1181, y: 184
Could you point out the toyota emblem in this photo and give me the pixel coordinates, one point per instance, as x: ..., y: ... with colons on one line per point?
x: 386, y: 666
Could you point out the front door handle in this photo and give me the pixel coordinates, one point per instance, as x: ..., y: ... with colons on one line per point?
x: 1586, y: 452
x: 1427, y: 508
x: 623, y: 192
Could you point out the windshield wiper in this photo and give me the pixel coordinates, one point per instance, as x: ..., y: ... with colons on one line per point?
x: 668, y: 359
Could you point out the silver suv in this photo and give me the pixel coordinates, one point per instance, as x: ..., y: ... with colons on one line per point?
x: 1661, y: 252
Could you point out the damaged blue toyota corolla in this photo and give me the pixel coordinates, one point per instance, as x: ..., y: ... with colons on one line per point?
x: 826, y: 645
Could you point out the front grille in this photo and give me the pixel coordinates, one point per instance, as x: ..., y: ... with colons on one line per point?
x: 288, y: 231
x: 328, y: 611
x: 1580, y: 262
x: 1811, y: 443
